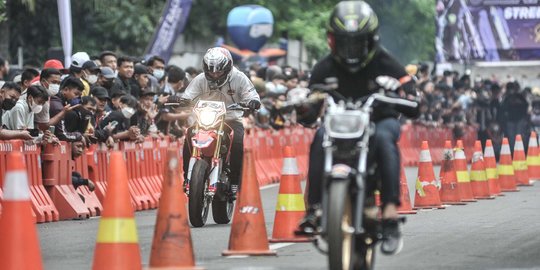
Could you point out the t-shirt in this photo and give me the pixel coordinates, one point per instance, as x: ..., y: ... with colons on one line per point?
x: 19, y: 117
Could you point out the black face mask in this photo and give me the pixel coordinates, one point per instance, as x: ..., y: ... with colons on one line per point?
x: 8, y: 104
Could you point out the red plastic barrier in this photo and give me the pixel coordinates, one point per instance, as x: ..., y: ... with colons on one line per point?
x: 140, y: 193
x: 90, y: 198
x: 57, y: 180
x: 98, y: 164
x: 148, y: 175
x: 42, y: 203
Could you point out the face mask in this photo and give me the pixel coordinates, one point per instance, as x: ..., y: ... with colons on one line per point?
x: 158, y: 73
x: 36, y: 108
x: 53, y: 89
x: 8, y: 104
x: 92, y: 79
x: 281, y: 89
x: 128, y: 112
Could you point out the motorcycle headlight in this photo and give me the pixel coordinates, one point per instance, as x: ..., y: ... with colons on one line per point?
x: 347, y: 125
x: 207, y: 118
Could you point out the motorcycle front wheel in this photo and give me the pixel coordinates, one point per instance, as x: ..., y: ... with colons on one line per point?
x: 198, y: 203
x: 340, y: 230
x: 222, y: 210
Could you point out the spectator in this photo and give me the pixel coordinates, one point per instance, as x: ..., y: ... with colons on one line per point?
x: 120, y: 120
x: 90, y: 74
x: 102, y: 98
x: 108, y: 59
x: 9, y: 95
x: 125, y: 72
x: 70, y: 90
x: 175, y: 81
x: 139, y: 80
x: 156, y: 67
x: 115, y: 100
x: 50, y: 80
x: 106, y: 78
x: 146, y: 112
x: 76, y: 70
x: 77, y: 149
x: 21, y: 116
x: 26, y: 78
x: 514, y: 112
x: 80, y: 119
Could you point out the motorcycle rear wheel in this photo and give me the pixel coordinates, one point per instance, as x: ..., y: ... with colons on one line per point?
x: 198, y: 203
x: 340, y: 230
x: 222, y: 211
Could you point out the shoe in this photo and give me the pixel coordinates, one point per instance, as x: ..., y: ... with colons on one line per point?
x: 310, y: 222
x: 392, y: 240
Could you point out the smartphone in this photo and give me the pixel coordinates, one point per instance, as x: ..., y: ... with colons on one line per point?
x: 113, y: 124
x: 34, y: 132
x: 51, y: 129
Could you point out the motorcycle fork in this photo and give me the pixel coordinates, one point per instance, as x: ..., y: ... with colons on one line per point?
x: 216, y: 164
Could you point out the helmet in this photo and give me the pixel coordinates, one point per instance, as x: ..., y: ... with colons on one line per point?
x: 352, y: 34
x: 217, y: 66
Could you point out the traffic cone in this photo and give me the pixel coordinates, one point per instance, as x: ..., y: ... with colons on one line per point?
x: 462, y: 172
x: 533, y: 158
x: 449, y: 186
x: 19, y: 245
x: 520, y: 163
x: 427, y: 186
x: 491, y: 170
x: 248, y: 213
x: 479, y: 181
x: 507, y: 179
x: 172, y: 245
x: 405, y: 207
x: 117, y: 244
x: 290, y: 207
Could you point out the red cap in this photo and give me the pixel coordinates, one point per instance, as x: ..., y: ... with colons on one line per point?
x: 53, y: 63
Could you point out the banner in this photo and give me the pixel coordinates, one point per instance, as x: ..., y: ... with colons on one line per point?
x: 171, y: 25
x: 487, y: 30
x: 64, y: 17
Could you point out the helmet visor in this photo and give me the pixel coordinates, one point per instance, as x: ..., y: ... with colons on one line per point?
x: 352, y: 50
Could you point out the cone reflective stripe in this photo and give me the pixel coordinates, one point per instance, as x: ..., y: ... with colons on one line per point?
x: 479, y: 182
x: 427, y: 186
x: 533, y: 158
x: 462, y: 172
x: 117, y: 242
x: 449, y: 187
x: 172, y: 247
x: 520, y: 163
x: 248, y: 213
x: 290, y: 207
x: 19, y: 245
x: 491, y: 169
x: 506, y: 169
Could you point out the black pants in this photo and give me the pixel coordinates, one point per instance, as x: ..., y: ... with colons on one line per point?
x: 383, y: 149
x: 236, y: 154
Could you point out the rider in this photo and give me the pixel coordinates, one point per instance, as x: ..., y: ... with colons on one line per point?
x: 220, y: 75
x: 361, y: 67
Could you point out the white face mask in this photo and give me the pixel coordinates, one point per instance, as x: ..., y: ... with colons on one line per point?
x: 158, y: 73
x: 53, y: 89
x: 92, y: 79
x: 128, y: 112
x: 36, y: 108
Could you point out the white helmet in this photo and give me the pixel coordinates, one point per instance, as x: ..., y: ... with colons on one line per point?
x: 217, y: 66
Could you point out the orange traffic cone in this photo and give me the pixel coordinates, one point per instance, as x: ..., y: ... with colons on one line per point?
x: 290, y: 207
x: 479, y: 181
x: 117, y: 244
x: 520, y: 163
x: 172, y: 246
x: 491, y: 170
x: 248, y: 213
x: 405, y: 207
x: 19, y: 247
x: 506, y: 169
x: 533, y: 158
x: 427, y: 186
x: 449, y: 186
x: 462, y: 172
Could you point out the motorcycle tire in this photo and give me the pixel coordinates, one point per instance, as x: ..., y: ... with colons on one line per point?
x: 340, y: 232
x: 198, y: 203
x: 222, y: 210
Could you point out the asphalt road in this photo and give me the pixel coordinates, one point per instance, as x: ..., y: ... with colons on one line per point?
x: 492, y: 234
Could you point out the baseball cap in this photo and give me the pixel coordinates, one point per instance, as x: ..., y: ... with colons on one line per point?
x: 79, y: 58
x: 147, y: 92
x: 99, y: 92
x: 53, y: 63
x: 107, y: 72
x: 141, y: 69
x: 90, y: 65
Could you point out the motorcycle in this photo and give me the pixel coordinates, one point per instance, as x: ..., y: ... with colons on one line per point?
x: 207, y: 180
x: 349, y: 226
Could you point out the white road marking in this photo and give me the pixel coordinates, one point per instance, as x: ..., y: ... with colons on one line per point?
x: 280, y: 245
x: 270, y: 186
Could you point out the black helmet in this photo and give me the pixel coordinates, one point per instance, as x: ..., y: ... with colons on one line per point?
x: 352, y: 34
x: 217, y: 66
